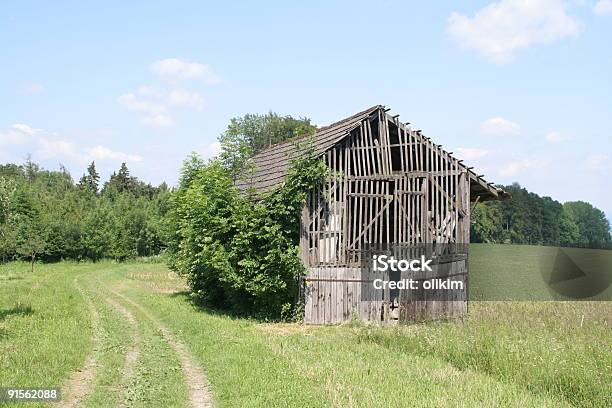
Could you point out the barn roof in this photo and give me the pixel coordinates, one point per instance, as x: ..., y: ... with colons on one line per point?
x: 270, y: 165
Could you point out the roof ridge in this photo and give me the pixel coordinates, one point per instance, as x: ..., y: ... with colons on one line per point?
x: 319, y: 130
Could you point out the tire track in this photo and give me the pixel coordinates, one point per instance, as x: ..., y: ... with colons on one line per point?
x: 199, y: 394
x: 132, y: 355
x: 79, y: 386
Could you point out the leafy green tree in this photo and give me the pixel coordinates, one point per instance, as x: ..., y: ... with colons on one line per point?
x: 30, y: 242
x: 486, y: 223
x: 45, y: 214
x: 593, y: 227
x: 237, y: 253
x: 569, y: 234
x: 248, y: 134
x: 527, y: 218
x: 7, y: 228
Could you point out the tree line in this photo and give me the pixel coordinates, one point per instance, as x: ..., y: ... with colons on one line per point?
x: 46, y: 215
x: 527, y: 218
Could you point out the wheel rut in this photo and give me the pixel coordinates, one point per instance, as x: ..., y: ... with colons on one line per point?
x: 132, y: 355
x: 199, y: 393
x: 80, y: 384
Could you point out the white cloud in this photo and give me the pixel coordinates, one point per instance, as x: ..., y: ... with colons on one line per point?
x: 54, y: 148
x: 176, y: 69
x: 158, y: 120
x: 17, y: 133
x: 468, y: 153
x: 148, y: 90
x: 603, y: 8
x: 179, y: 97
x: 597, y: 162
x: 209, y: 150
x: 155, y: 114
x: 156, y: 104
x: 501, y: 29
x: 556, y: 137
x: 63, y: 149
x: 499, y: 126
x: 132, y: 102
x: 104, y: 153
x: 23, y: 128
x: 516, y: 167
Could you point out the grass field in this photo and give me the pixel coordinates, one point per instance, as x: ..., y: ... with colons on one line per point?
x: 128, y: 332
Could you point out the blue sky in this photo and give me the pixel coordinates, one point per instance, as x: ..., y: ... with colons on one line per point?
x: 520, y: 91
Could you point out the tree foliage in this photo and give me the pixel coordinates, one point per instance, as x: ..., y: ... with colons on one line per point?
x: 237, y: 253
x: 530, y: 219
x: 45, y: 216
x: 248, y: 134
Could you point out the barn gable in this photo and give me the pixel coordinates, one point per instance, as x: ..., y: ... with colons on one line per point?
x: 270, y: 166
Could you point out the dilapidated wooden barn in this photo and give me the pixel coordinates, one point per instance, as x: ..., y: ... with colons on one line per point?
x: 389, y: 185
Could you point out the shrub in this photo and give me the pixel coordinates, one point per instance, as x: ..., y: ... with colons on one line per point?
x: 237, y: 252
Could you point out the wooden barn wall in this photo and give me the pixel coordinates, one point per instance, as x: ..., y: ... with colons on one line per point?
x: 388, y: 185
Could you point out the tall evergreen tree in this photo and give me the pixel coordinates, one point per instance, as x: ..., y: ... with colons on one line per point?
x: 120, y: 181
x: 93, y: 178
x: 90, y: 181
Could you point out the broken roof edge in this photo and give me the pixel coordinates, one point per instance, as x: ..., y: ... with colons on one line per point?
x: 335, y: 133
x: 323, y: 129
x: 488, y: 190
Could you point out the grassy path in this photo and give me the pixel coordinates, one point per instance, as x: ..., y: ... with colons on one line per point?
x: 199, y: 395
x: 80, y: 383
x: 132, y: 355
x: 153, y: 347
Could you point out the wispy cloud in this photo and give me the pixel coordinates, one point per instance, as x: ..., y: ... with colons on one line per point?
x: 470, y: 153
x: 154, y: 113
x: 23, y: 128
x: 17, y: 133
x: 49, y: 146
x: 597, y: 162
x: 133, y: 102
x: 515, y: 167
x: 158, y: 120
x: 556, y: 137
x: 49, y: 149
x: 603, y: 8
x: 156, y: 103
x: 181, y: 97
x: 209, y: 150
x: 104, y: 153
x: 175, y: 69
x: 66, y: 150
x: 499, y: 126
x: 500, y: 30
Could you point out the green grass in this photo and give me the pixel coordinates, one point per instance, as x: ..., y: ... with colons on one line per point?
x: 522, y: 272
x: 43, y: 325
x: 45, y: 335
x: 540, y: 354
